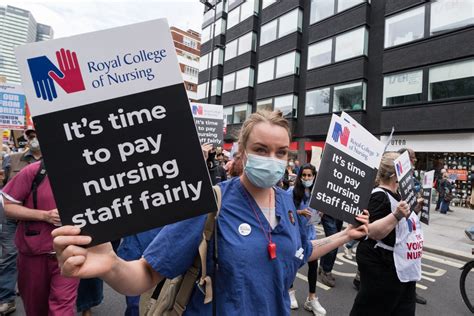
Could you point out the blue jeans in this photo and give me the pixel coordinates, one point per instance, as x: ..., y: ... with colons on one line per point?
x: 8, y: 271
x: 133, y: 303
x: 444, y: 207
x: 331, y: 226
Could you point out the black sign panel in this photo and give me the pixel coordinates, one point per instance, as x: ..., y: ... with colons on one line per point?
x: 425, y: 211
x: 407, y: 190
x: 126, y: 165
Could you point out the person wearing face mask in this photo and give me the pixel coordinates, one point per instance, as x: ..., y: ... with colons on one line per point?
x: 301, y: 194
x: 13, y: 164
x: 261, y: 241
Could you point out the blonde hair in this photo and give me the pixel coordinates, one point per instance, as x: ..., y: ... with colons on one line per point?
x: 262, y: 116
x: 386, y: 168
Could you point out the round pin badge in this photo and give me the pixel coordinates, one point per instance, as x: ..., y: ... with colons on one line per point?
x: 245, y: 229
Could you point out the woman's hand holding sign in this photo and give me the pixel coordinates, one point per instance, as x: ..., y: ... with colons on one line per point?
x: 361, y: 230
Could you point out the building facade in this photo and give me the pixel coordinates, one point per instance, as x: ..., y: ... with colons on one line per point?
x: 188, y: 47
x: 404, y: 64
x: 17, y: 27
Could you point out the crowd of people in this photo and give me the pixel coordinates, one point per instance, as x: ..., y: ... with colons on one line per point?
x: 264, y: 232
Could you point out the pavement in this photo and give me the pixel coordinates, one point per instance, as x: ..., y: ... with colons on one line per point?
x: 445, y: 233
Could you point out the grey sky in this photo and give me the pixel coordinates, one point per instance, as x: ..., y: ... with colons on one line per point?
x: 71, y: 17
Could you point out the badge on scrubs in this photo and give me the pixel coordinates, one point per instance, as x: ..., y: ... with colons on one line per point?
x: 291, y: 217
x: 245, y: 229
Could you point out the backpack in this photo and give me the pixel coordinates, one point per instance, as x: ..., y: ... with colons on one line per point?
x: 170, y: 297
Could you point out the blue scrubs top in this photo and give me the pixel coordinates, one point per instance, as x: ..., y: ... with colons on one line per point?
x: 132, y: 247
x: 248, y: 282
x: 310, y: 230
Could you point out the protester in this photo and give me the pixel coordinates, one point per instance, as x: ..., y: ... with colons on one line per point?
x: 216, y: 171
x: 446, y: 194
x: 301, y: 194
x: 42, y: 288
x: 236, y: 168
x: 12, y: 164
x: 440, y: 188
x: 259, y: 252
x: 331, y: 226
x: 388, y: 268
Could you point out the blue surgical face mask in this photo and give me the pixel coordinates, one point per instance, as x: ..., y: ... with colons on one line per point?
x: 264, y: 172
x: 307, y: 183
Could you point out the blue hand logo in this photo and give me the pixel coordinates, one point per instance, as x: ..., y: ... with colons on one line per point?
x: 337, y: 131
x: 44, y: 85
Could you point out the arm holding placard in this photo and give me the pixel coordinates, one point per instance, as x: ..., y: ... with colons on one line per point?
x: 325, y: 245
x: 126, y: 277
x: 380, y: 229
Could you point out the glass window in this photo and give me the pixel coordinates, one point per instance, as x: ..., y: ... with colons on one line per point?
x: 228, y: 114
x: 287, y: 64
x: 241, y: 112
x: 317, y: 101
x: 218, y: 57
x: 288, y: 23
x: 448, y: 14
x: 231, y: 50
x: 268, y: 32
x: 216, y: 87
x: 202, y: 91
x: 266, y: 104
x: 206, y: 34
x: 204, y: 62
x: 244, y: 78
x: 346, y: 4
x: 405, y: 27
x: 266, y: 3
x: 351, y: 44
x: 247, y: 9
x: 403, y: 88
x: 220, y: 27
x: 321, y: 9
x: 228, y: 82
x: 319, y: 54
x: 286, y: 104
x: 245, y: 43
x: 233, y: 17
x: 349, y: 97
x: 266, y: 70
x: 450, y: 81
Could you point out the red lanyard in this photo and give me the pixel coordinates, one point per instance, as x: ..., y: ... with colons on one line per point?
x: 271, y: 248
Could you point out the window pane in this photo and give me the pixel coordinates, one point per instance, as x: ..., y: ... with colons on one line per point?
x: 349, y: 97
x: 321, y: 9
x: 247, y: 9
x: 288, y: 23
x: 240, y: 113
x: 448, y: 14
x: 243, y: 78
x: 216, y: 87
x: 218, y: 58
x: 228, y: 83
x: 319, y: 54
x: 220, y: 27
x: 266, y: 3
x: 346, y: 4
x: 265, y: 105
x: 317, y: 101
x: 351, y: 44
x: 228, y: 114
x: 403, y: 88
x: 285, y: 65
x: 231, y: 50
x: 204, y: 62
x: 268, y: 32
x: 405, y: 27
x: 450, y: 81
x: 233, y: 17
x: 265, y: 70
x: 202, y: 91
x: 245, y: 43
x: 285, y: 105
x: 206, y: 34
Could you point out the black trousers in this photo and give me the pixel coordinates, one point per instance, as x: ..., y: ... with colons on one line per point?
x: 382, y: 293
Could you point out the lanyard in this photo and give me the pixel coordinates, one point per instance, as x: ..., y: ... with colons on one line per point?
x: 271, y: 247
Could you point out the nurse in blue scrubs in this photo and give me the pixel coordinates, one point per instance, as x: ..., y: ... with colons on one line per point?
x: 260, y: 239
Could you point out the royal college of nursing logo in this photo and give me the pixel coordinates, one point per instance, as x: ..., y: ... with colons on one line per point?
x: 44, y: 73
x: 197, y: 109
x: 399, y: 168
x: 338, y: 134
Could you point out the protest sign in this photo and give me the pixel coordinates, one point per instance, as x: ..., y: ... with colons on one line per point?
x: 116, y: 130
x: 209, y: 120
x: 12, y: 107
x: 348, y: 169
x: 316, y: 156
x: 427, y: 185
x: 406, y: 183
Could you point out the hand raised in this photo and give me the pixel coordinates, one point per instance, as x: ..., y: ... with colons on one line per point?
x: 77, y: 261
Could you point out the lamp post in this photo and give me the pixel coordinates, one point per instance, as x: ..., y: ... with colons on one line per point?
x: 211, y: 7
